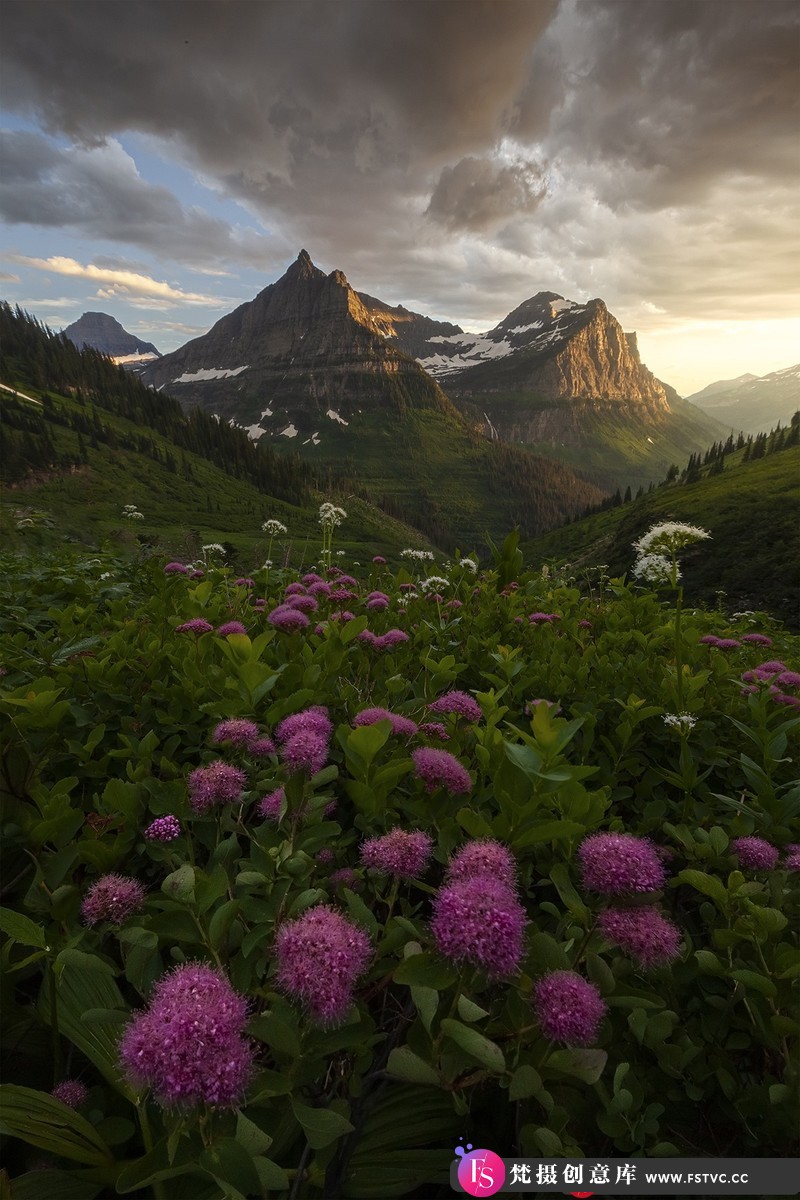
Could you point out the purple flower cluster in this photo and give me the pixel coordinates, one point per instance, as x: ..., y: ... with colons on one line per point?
x: 403, y: 726
x: 568, y: 1008
x: 379, y: 559
x: 163, y: 829
x: 112, y: 898
x: 319, y: 588
x: 711, y: 639
x: 294, y: 589
x: 484, y: 857
x: 236, y: 730
x: 70, y: 1092
x: 231, y: 627
x: 479, y: 920
x: 757, y: 639
x: 188, y: 1046
x: 218, y: 783
x: 260, y: 747
x: 616, y: 864
x: 644, y: 933
x: 305, y: 739
x: 197, y: 625
x: 433, y: 729
x: 304, y: 604
x: 791, y: 861
x: 378, y: 601
x: 270, y: 806
x: 755, y: 853
x: 385, y: 641
x: 244, y: 582
x: 176, y: 568
x: 541, y: 618
x: 457, y: 702
x: 438, y: 768
x: 320, y: 956
x: 287, y: 619
x: 398, y: 853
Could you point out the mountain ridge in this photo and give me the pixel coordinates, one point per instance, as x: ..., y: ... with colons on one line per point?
x: 100, y: 331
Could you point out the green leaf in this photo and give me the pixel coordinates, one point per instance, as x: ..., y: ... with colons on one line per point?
x: 405, y: 1064
x: 53, y: 1184
x: 709, y: 885
x: 475, y: 825
x: 546, y: 954
x: 180, y: 884
x: 427, y: 970
x: 526, y: 1081
x: 756, y: 982
x: 232, y: 1167
x: 78, y: 993
x: 586, y: 1065
x: 22, y: 929
x: 276, y: 1032
x: 273, y: 1177
x: 564, y: 886
x: 249, y: 1135
x: 157, y: 1164
x: 469, y: 1011
x: 487, y: 1053
x: 41, y: 1120
x: 548, y: 831
x: 320, y: 1125
x: 709, y: 963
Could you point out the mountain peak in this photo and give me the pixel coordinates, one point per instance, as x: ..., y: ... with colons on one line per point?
x: 100, y: 331
x: 303, y: 268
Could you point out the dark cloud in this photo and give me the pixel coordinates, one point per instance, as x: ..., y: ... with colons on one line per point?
x: 407, y: 141
x: 482, y: 195
x: 98, y: 192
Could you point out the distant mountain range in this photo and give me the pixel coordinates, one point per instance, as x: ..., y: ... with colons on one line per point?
x: 314, y: 362
x: 104, y: 333
x: 754, y: 403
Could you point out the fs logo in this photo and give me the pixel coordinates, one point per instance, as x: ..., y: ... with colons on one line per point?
x: 480, y: 1172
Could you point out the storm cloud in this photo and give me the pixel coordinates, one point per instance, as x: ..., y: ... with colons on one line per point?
x: 450, y: 156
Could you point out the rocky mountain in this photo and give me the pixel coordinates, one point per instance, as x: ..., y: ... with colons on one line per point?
x: 562, y: 378
x: 308, y: 365
x: 754, y: 403
x: 305, y: 354
x: 102, y: 332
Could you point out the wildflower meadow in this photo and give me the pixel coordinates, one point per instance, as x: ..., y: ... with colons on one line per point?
x: 309, y: 874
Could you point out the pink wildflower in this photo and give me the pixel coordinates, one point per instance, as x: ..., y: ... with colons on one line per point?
x: 231, y: 627
x: 568, y: 1008
x: 438, y: 768
x: 196, y: 625
x: 270, y: 806
x: 70, y: 1092
x: 644, y: 933
x: 163, y: 829
x: 480, y: 921
x: 484, y: 857
x: 287, y: 619
x: 236, y: 730
x: 618, y: 863
x: 398, y: 852
x: 320, y: 956
x: 458, y: 702
x: 755, y: 853
x: 112, y: 898
x: 402, y: 726
x: 218, y: 783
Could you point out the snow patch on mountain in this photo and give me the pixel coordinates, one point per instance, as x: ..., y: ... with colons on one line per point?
x: 207, y: 373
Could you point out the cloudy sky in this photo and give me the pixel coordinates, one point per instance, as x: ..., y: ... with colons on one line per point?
x: 164, y: 162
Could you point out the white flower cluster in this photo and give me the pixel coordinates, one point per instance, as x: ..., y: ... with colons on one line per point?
x: 330, y: 514
x: 131, y: 513
x: 433, y: 583
x: 680, y: 721
x: 418, y: 555
x: 468, y: 564
x: 655, y: 568
x: 213, y: 548
x: 272, y: 528
x: 669, y: 537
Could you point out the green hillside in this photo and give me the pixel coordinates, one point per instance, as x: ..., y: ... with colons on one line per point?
x: 751, y: 509
x: 72, y: 456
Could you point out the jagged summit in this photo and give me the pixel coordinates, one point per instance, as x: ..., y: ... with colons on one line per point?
x: 304, y: 347
x: 100, y: 331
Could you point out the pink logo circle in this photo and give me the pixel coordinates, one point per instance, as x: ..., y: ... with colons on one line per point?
x: 481, y: 1173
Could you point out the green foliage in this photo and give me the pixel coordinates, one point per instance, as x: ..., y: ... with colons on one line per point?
x: 107, y: 710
